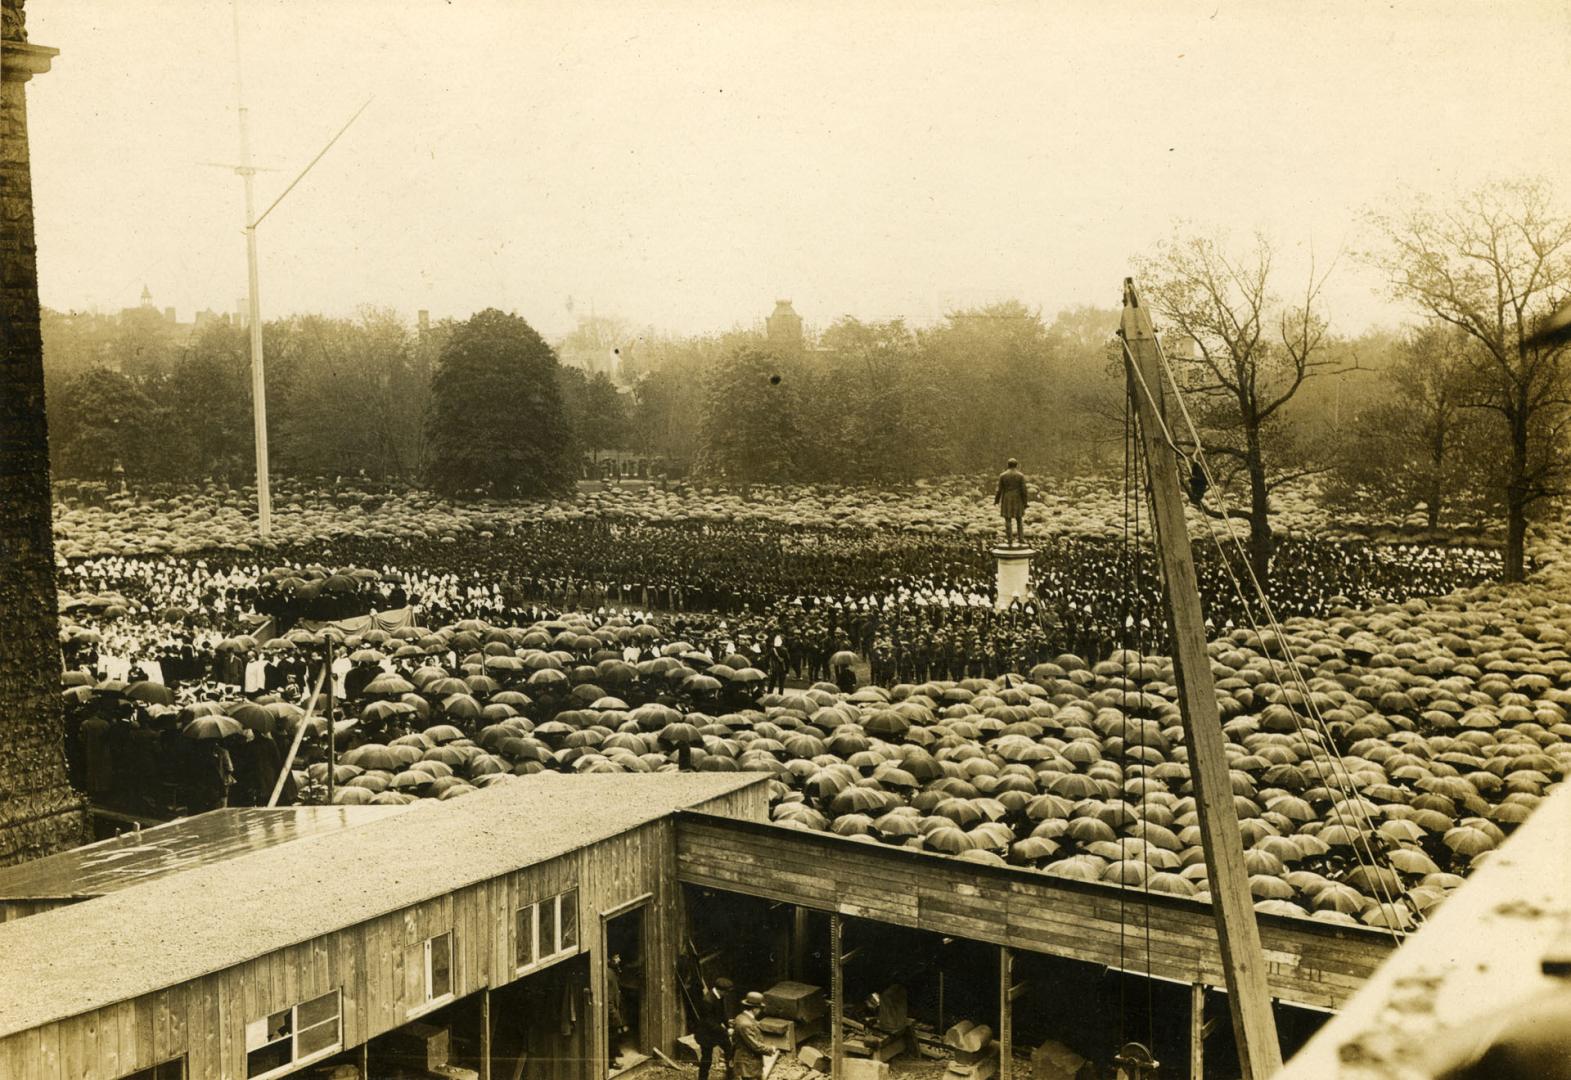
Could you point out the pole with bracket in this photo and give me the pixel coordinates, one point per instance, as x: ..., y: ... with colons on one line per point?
x: 1243, y: 961
x: 264, y: 494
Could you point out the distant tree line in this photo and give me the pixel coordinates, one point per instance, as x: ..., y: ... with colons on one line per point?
x: 1461, y: 418
x: 476, y: 406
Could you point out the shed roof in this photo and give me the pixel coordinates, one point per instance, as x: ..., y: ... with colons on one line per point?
x: 135, y: 857
x: 163, y: 933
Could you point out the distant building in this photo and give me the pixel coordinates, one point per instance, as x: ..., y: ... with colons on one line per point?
x: 783, y: 327
x: 597, y: 347
x: 148, y: 320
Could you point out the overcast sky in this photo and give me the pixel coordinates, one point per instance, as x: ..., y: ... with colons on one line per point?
x: 684, y: 164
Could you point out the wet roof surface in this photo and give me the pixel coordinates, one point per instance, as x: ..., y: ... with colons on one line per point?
x: 139, y: 856
x: 175, y: 928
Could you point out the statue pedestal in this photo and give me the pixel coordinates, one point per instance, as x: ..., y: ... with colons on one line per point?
x: 1013, y: 575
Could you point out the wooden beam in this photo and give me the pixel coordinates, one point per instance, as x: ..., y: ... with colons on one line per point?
x: 485, y: 1034
x: 1321, y: 964
x: 1243, y: 962
x: 836, y: 1001
x: 1197, y: 1031
x: 798, y: 942
x: 1006, y: 1015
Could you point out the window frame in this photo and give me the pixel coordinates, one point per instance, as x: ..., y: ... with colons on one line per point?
x: 432, y: 1003
x: 293, y: 1037
x: 153, y: 1071
x: 547, y: 953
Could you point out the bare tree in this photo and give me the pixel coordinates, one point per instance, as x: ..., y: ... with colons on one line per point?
x: 1243, y: 356
x: 1494, y: 265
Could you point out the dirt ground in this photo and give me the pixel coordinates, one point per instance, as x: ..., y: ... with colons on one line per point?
x: 788, y: 1067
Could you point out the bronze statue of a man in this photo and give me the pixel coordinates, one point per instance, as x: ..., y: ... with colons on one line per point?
x: 1011, y: 501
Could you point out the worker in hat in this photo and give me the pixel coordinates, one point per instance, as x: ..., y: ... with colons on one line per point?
x: 710, y: 1029
x: 747, y: 1039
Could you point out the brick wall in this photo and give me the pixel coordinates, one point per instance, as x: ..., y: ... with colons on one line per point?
x: 39, y: 812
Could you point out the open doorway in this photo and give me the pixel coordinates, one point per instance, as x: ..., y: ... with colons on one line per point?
x: 540, y: 1030
x: 625, y: 936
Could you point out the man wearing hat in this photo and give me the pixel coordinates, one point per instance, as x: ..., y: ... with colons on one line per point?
x: 710, y: 1029
x: 747, y: 1039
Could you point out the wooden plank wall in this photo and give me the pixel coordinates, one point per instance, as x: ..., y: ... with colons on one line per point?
x: 633, y: 864
x: 21, y: 909
x: 379, y: 966
x: 746, y: 804
x: 1312, y: 964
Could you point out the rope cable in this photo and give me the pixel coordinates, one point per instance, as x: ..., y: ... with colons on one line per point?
x: 1346, y: 787
x: 1350, y: 790
x: 1342, y: 779
x: 1378, y: 883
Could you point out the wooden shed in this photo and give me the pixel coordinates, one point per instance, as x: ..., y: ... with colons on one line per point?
x: 340, y: 941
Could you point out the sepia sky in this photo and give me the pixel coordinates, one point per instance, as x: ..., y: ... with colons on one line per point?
x: 684, y: 164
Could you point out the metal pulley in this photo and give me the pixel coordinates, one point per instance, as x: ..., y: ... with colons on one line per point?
x: 1135, y: 1062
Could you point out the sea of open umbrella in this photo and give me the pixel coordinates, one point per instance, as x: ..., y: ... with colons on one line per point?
x: 1397, y: 749
x: 189, y: 520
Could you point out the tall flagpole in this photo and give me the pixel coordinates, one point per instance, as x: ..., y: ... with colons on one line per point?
x: 264, y: 494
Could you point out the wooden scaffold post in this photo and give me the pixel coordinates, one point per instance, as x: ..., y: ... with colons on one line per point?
x: 1243, y: 962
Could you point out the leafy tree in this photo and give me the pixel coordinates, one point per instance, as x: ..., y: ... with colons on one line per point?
x: 869, y: 383
x: 665, y: 418
x: 1495, y: 267
x: 1244, y: 355
x: 1418, y: 443
x: 1085, y: 350
x: 670, y: 378
x: 752, y: 419
x: 142, y: 345
x: 600, y: 420
x: 1004, y: 395
x: 208, y: 393
x: 358, y: 398
x: 101, y: 419
x: 496, y: 420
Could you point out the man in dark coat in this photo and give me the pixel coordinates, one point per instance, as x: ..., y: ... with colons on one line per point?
x: 747, y: 1039
x: 1011, y: 501
x: 710, y: 1029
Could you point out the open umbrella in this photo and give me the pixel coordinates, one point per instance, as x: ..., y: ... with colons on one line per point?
x: 150, y: 693
x: 388, y: 684
x: 212, y: 727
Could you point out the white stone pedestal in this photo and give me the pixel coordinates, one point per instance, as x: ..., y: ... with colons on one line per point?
x: 1014, y: 575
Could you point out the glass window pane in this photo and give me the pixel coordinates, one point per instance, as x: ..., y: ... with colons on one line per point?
x: 312, y: 1039
x: 548, y: 942
x: 526, y: 935
x: 313, y: 1012
x: 570, y: 919
x: 442, y: 966
x: 279, y: 1025
x: 268, y: 1058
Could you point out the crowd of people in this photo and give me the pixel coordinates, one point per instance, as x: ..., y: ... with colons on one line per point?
x: 905, y: 601
x: 797, y: 608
